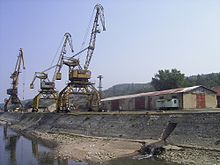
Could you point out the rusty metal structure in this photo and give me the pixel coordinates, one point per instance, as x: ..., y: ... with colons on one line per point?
x: 13, y: 91
x: 195, y: 97
x: 80, y: 93
x: 47, y: 88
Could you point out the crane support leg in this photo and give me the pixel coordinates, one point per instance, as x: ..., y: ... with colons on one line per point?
x: 15, y: 102
x: 63, y: 99
x: 83, y: 97
x: 44, y: 96
x: 35, y: 104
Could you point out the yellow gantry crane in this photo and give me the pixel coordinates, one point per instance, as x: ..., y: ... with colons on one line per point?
x: 80, y: 93
x: 14, y: 100
x: 47, y: 88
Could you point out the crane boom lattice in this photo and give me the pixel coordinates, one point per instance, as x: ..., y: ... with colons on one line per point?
x: 14, y: 100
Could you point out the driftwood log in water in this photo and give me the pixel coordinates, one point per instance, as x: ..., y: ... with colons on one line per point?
x: 157, y: 147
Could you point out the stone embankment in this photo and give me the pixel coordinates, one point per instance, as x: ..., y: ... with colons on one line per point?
x: 194, y: 130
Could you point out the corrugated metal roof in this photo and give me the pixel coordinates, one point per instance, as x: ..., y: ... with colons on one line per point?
x: 217, y: 89
x: 157, y: 93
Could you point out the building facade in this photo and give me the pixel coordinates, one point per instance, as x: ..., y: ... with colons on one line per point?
x: 196, y: 97
x: 217, y: 89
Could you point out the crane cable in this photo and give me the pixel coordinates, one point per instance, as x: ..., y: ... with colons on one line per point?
x: 23, y: 84
x: 87, y: 30
x: 84, y: 38
x: 55, y: 56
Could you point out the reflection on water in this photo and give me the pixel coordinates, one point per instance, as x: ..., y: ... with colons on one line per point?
x: 10, y: 145
x: 17, y: 150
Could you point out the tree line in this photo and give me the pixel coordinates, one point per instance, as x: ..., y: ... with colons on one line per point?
x: 169, y: 79
x: 162, y: 80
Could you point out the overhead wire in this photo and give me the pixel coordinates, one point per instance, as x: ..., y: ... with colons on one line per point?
x: 55, y: 56
x: 87, y: 30
x: 23, y: 84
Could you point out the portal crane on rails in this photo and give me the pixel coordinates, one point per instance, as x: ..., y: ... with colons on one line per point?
x: 47, y: 88
x: 13, y: 91
x: 80, y: 93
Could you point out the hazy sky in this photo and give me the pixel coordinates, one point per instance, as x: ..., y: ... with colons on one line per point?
x: 142, y: 37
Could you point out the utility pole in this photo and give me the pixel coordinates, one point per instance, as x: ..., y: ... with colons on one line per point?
x: 100, y: 83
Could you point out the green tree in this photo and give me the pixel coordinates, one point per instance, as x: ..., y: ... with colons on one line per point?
x: 166, y: 79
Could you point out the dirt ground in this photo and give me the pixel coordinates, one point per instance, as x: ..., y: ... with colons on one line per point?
x: 191, y: 156
x: 98, y: 150
x: 89, y: 149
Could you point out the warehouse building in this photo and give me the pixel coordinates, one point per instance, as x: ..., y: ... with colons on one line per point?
x: 217, y: 89
x: 195, y: 97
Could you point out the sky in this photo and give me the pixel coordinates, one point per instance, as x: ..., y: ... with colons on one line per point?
x: 141, y: 37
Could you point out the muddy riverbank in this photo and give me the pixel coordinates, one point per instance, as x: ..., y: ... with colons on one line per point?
x: 88, y: 149
x: 79, y: 147
x: 101, y: 137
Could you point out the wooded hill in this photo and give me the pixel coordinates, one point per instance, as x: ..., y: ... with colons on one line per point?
x: 209, y: 80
